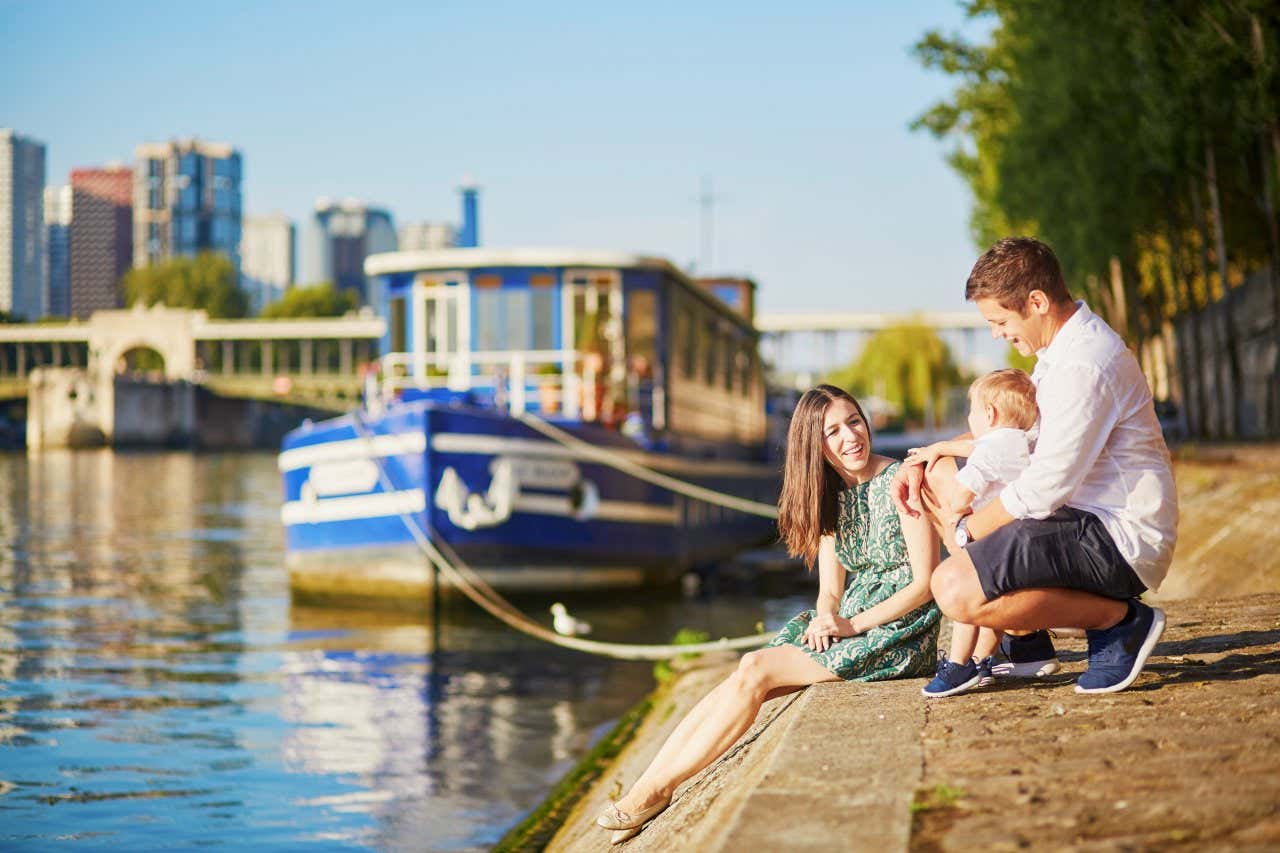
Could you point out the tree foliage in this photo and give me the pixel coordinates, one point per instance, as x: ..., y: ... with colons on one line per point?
x: 908, y: 366
x: 1139, y: 138
x: 207, y: 281
x: 317, y: 300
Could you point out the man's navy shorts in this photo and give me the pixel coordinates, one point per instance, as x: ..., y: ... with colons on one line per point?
x: 1070, y: 549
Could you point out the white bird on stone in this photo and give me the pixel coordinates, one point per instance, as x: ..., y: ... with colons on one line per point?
x: 566, y: 624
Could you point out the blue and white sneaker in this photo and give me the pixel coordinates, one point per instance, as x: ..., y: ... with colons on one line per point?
x: 1028, y: 656
x: 1117, y: 655
x: 952, y: 678
x: 985, y: 676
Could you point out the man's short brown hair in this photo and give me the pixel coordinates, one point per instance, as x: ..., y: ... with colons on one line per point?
x: 1014, y: 267
x: 1011, y: 392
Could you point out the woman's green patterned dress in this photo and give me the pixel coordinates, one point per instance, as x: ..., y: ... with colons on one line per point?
x: 870, y: 546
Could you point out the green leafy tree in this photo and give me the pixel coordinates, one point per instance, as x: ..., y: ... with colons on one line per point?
x: 907, y: 365
x: 1139, y: 139
x: 207, y: 281
x: 316, y: 300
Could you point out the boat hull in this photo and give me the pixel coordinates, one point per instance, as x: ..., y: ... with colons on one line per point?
x: 528, y: 513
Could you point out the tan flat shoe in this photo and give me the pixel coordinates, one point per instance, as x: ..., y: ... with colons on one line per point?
x: 616, y: 819
x: 621, y: 835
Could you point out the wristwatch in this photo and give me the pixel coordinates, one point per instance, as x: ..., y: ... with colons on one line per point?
x: 962, y: 532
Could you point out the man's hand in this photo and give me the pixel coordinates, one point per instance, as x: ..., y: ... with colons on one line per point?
x: 825, y: 629
x: 905, y: 489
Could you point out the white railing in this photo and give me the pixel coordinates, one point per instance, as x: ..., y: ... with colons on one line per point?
x: 515, y: 375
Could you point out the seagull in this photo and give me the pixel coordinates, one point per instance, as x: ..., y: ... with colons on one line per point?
x: 566, y: 624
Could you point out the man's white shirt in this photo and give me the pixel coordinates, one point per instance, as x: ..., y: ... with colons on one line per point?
x: 1099, y: 446
x: 998, y: 457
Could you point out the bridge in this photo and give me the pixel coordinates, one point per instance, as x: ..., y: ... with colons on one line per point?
x: 803, y: 346
x: 312, y: 362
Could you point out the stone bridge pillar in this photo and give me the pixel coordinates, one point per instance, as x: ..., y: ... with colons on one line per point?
x: 168, y: 331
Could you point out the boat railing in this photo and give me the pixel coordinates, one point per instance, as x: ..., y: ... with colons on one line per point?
x: 547, y: 381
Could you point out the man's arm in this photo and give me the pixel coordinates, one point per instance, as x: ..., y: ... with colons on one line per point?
x: 1077, y: 414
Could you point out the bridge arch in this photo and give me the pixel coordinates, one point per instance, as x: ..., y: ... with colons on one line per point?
x: 167, y: 331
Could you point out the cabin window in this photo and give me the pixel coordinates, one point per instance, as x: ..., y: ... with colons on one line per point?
x: 744, y: 371
x: 686, y: 340
x: 710, y: 354
x: 642, y: 329
x: 542, y: 296
x: 488, y: 308
x: 397, y: 325
x: 728, y: 351
x: 514, y: 318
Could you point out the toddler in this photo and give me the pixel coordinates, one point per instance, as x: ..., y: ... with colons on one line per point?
x: 1002, y: 409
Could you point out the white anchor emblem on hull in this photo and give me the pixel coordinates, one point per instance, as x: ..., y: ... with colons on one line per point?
x: 473, y: 510
x: 470, y: 510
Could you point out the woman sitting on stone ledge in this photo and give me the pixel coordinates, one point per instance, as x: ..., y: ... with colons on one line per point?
x: 835, y: 510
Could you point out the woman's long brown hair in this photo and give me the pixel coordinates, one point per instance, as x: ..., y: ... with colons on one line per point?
x: 808, y: 506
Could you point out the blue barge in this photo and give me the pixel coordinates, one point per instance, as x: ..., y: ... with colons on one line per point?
x: 621, y: 351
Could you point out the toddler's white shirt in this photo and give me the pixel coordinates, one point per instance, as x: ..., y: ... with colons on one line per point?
x: 998, y: 458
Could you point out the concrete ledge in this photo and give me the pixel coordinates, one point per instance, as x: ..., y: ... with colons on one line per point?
x: 833, y: 767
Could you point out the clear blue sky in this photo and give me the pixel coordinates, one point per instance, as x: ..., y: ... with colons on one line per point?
x: 586, y: 124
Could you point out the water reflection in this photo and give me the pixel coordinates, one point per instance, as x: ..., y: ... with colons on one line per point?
x: 157, y: 688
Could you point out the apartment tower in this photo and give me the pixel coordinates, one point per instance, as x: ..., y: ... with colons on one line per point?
x: 57, y: 227
x: 101, y: 237
x: 186, y: 200
x: 23, y: 291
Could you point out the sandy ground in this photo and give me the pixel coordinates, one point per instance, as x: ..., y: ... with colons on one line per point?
x: 1188, y: 757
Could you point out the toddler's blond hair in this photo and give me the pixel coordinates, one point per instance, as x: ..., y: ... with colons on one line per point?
x: 1011, y: 392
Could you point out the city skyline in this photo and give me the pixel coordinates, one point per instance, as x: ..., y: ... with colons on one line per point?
x: 584, y: 128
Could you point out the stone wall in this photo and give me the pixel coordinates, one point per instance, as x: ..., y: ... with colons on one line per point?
x: 75, y: 407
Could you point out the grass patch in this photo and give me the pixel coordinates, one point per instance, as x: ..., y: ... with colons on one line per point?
x: 939, y: 797
x: 662, y: 670
x: 536, y: 830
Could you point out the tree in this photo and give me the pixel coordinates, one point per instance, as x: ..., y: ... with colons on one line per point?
x: 207, y: 282
x: 909, y: 366
x: 316, y: 300
x: 1140, y: 139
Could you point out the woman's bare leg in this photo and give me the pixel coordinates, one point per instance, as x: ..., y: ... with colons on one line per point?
x: 720, y: 718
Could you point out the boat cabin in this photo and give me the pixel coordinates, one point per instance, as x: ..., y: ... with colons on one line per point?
x: 615, y: 339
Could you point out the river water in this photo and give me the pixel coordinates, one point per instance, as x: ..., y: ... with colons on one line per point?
x: 159, y: 690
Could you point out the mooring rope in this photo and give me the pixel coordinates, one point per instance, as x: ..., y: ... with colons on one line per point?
x: 615, y: 460
x: 465, y: 578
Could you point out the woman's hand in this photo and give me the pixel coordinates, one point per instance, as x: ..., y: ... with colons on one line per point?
x: 825, y: 629
x: 905, y: 490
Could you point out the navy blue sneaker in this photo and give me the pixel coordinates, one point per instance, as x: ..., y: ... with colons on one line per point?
x: 985, y: 676
x: 1117, y: 655
x: 952, y: 678
x: 1029, y: 656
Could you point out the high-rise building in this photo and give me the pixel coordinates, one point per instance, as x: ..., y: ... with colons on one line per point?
x: 341, y: 235
x: 101, y: 237
x: 57, y: 226
x: 266, y: 258
x: 417, y: 236
x: 23, y: 291
x: 186, y: 200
